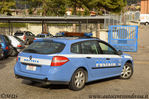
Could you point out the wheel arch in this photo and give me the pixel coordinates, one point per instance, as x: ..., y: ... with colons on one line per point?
x: 129, y: 61
x: 85, y: 69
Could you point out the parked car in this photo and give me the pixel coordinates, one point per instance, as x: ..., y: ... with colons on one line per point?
x: 1, y: 52
x: 73, y: 61
x: 17, y: 43
x: 6, y: 45
x: 43, y: 36
x: 26, y: 36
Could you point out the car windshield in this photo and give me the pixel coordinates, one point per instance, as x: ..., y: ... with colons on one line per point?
x: 18, y: 34
x: 18, y: 39
x: 45, y: 47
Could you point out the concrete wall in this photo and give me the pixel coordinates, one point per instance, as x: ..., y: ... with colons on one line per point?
x: 36, y: 29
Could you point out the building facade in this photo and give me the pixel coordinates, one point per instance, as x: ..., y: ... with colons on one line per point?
x: 144, y: 6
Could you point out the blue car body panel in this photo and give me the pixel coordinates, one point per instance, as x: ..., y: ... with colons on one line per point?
x: 95, y: 66
x: 4, y: 45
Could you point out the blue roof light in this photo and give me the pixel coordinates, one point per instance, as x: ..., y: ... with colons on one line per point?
x: 88, y: 34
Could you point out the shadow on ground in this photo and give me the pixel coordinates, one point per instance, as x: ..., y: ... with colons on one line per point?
x: 4, y: 62
x: 59, y: 86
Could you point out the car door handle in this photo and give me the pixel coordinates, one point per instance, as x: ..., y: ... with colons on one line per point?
x: 88, y: 57
x: 107, y: 58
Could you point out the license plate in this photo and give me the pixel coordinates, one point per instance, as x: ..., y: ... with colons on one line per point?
x: 32, y: 68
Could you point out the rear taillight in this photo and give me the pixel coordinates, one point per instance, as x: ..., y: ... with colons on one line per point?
x: 24, y: 37
x: 17, y: 59
x: 19, y: 45
x: 7, y: 48
x: 59, y: 60
x: 34, y: 38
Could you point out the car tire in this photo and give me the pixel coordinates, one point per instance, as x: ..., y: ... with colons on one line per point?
x: 127, y: 71
x: 3, y: 56
x: 78, y: 80
x: 14, y: 52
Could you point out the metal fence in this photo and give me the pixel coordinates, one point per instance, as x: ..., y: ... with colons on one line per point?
x: 122, y: 19
x: 123, y: 37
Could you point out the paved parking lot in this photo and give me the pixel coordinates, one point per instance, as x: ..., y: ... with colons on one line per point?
x: 137, y: 85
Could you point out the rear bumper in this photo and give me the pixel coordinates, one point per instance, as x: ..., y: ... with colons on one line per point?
x: 54, y: 76
x: 42, y: 80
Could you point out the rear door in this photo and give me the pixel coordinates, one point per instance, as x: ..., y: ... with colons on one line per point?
x: 8, y: 44
x: 90, y: 51
x: 36, y: 59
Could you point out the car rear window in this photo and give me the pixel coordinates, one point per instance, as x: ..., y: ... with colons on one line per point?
x: 45, y: 47
x: 18, y: 34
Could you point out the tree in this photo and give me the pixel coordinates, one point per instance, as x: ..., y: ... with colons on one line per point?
x: 47, y: 8
x: 110, y: 5
x: 6, y: 5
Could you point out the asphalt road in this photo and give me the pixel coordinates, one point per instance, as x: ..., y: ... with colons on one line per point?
x: 137, y: 86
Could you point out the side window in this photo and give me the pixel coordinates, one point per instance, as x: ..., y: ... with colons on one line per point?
x: 75, y: 48
x: 27, y: 33
x: 31, y: 33
x: 106, y: 49
x: 89, y: 47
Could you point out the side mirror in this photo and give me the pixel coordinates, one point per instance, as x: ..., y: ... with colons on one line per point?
x: 119, y: 52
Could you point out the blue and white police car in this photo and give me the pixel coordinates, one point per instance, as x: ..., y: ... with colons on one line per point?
x: 72, y: 60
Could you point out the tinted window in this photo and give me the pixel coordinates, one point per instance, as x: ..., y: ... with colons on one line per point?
x: 40, y: 36
x: 27, y: 33
x: 49, y: 35
x: 89, y: 47
x: 75, y: 48
x: 106, y: 49
x: 45, y: 47
x: 30, y: 33
x: 19, y: 34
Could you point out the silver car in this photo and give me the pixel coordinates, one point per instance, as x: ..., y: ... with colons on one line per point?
x: 26, y: 36
x: 17, y: 44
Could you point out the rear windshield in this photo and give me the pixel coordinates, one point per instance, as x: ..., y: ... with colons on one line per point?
x: 45, y: 47
x: 18, y: 34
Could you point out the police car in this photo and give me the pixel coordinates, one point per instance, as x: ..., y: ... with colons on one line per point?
x: 73, y: 61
